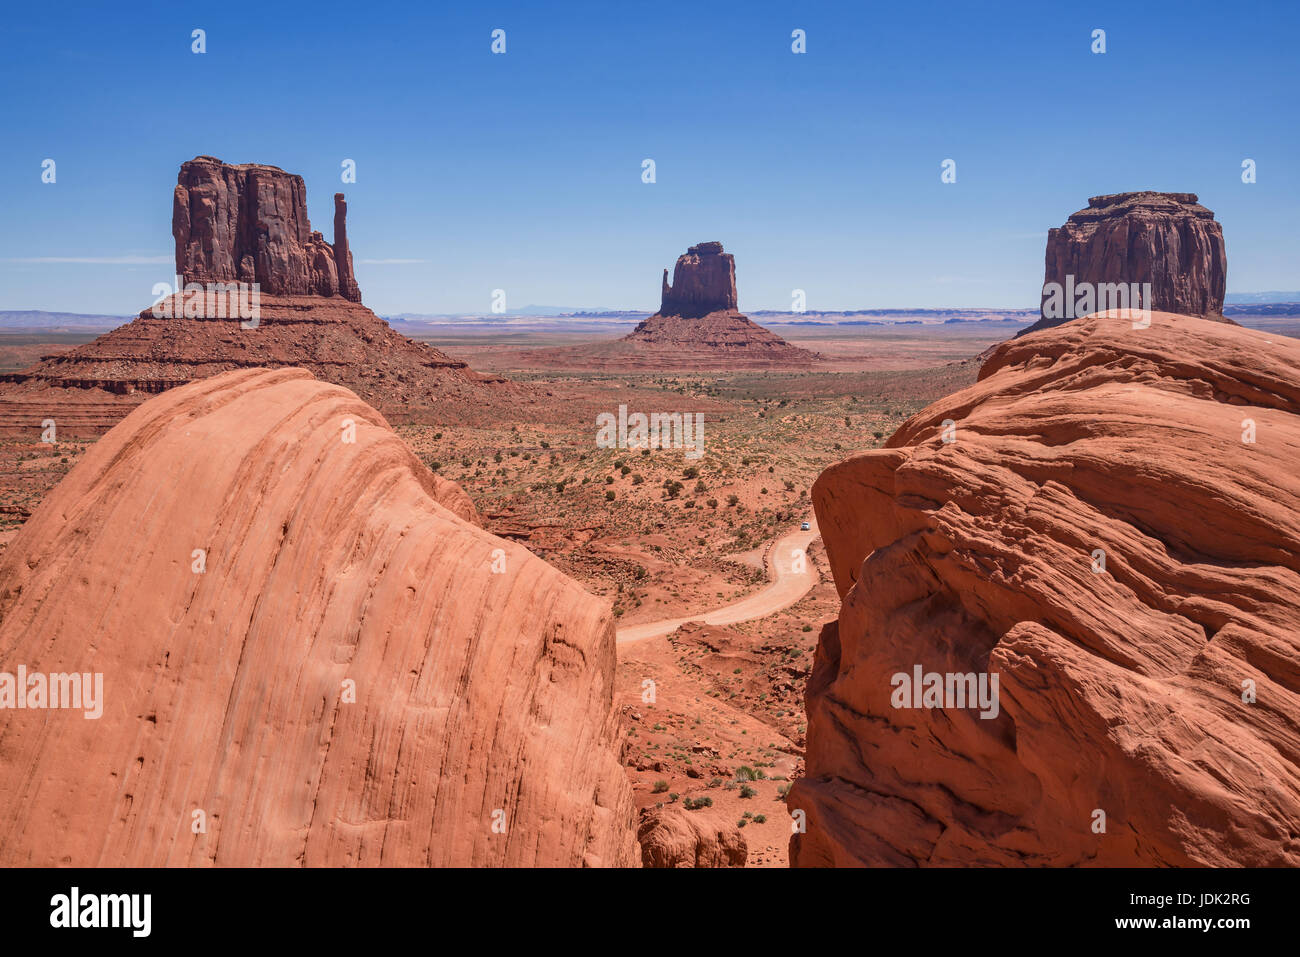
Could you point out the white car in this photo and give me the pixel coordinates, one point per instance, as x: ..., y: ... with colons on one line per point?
x: 805, y: 527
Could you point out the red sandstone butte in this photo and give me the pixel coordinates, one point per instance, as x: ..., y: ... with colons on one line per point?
x: 483, y: 677
x: 1121, y: 685
x: 248, y: 224
x: 1166, y: 239
x: 697, y: 327
x: 704, y: 281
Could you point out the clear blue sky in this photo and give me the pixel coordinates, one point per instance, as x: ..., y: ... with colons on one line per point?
x: 819, y: 171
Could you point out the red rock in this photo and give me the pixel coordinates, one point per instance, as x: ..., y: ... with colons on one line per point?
x: 248, y: 223
x: 704, y: 281
x: 1120, y: 690
x: 326, y: 561
x: 675, y: 837
x: 1166, y: 239
x: 348, y: 288
x: 697, y: 327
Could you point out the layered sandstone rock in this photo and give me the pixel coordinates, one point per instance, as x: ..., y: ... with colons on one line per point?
x: 248, y: 223
x: 1098, y: 536
x: 1166, y: 239
x: 704, y: 281
x: 359, y: 675
x: 674, y: 837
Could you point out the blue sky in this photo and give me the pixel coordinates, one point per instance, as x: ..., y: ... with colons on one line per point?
x: 522, y: 171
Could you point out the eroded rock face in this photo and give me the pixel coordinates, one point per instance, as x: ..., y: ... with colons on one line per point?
x: 704, y: 281
x: 303, y: 635
x: 675, y: 837
x: 248, y: 223
x: 1101, y: 538
x: 1166, y: 239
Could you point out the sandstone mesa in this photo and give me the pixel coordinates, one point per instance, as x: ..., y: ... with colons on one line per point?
x: 248, y: 224
x: 697, y: 327
x: 1167, y: 240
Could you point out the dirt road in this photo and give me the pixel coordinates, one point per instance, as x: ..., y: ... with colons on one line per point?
x: 785, y: 587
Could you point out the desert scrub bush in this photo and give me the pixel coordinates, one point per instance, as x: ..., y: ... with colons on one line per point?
x: 694, y: 804
x: 746, y: 773
x: 746, y: 791
x: 660, y: 787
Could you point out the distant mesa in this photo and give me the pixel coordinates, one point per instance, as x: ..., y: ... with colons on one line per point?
x: 704, y: 281
x: 697, y: 327
x: 242, y: 225
x: 1166, y: 239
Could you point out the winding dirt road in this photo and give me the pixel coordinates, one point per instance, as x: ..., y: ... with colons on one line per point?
x: 785, y: 588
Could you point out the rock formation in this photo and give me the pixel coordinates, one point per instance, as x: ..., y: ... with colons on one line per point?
x: 248, y: 224
x: 304, y: 637
x: 704, y: 281
x: 674, y: 837
x: 1113, y: 532
x: 1165, y: 239
x: 697, y: 327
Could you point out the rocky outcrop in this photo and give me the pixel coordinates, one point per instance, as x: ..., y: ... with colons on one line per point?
x: 697, y: 327
x: 348, y: 288
x: 1113, y: 534
x: 1166, y: 239
x: 674, y: 837
x: 248, y: 223
x: 704, y: 281
x: 309, y: 655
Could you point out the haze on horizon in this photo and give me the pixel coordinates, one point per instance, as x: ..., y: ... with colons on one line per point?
x: 523, y: 171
